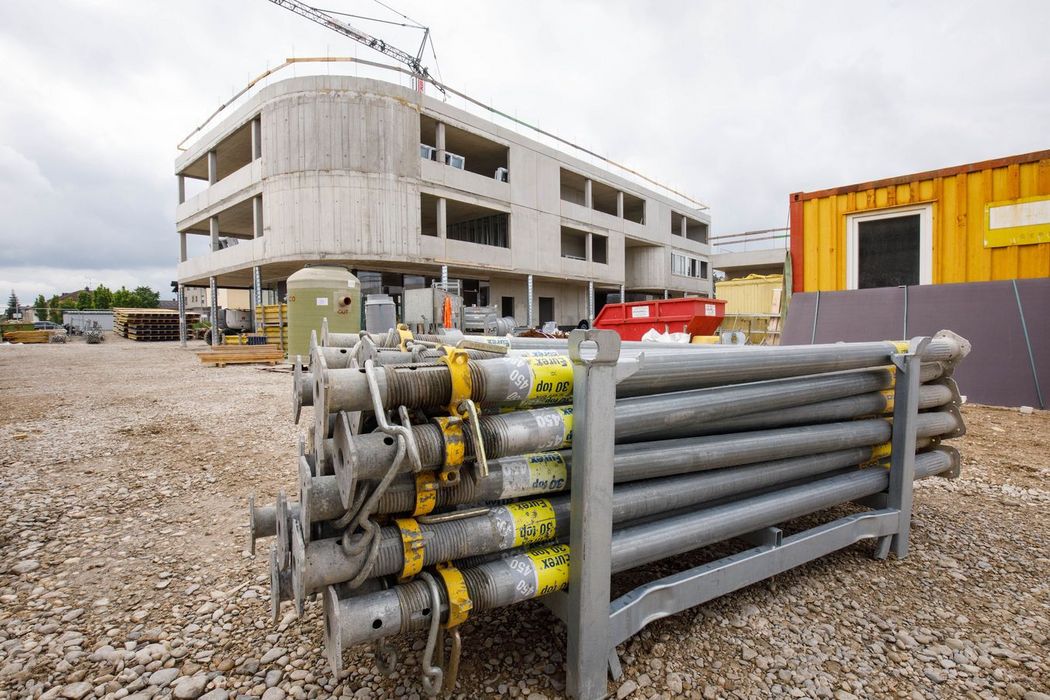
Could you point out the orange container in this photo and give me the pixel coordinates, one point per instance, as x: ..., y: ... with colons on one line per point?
x: 692, y: 315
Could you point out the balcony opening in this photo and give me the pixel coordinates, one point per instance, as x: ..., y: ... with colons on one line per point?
x: 573, y: 187
x: 427, y: 137
x: 676, y: 223
x: 231, y: 154
x: 695, y: 231
x: 428, y: 205
x: 468, y: 151
x: 475, y: 224
x: 603, y: 198
x: 235, y: 223
x: 599, y: 249
x: 573, y: 244
x: 633, y: 208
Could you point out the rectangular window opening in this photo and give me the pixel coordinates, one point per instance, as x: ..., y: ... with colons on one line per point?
x: 676, y: 223
x: 476, y: 224
x: 506, y: 306
x: 633, y: 208
x: 603, y: 198
x: 573, y: 244
x: 428, y: 205
x: 468, y: 151
x: 695, y: 231
x: 573, y: 187
x: 546, y: 309
x: 888, y: 252
x: 599, y: 249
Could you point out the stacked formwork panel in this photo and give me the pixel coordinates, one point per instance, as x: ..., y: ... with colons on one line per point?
x: 435, y: 490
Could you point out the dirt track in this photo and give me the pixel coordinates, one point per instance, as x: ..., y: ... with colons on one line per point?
x: 123, y: 573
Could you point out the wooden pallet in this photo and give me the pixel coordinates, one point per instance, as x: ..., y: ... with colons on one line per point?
x: 242, y: 355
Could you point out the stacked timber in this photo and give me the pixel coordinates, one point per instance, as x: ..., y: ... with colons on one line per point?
x: 150, y: 325
x: 432, y: 491
x: 27, y: 337
x: 241, y: 355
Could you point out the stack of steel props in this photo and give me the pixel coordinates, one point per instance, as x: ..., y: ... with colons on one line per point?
x: 700, y: 435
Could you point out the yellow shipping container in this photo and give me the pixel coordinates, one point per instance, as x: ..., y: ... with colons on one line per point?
x: 976, y: 223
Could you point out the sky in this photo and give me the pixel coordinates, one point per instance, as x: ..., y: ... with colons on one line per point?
x: 735, y: 103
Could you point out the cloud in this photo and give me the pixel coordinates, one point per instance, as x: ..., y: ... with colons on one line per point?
x: 736, y: 103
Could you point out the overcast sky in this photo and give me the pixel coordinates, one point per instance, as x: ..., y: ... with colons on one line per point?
x: 735, y: 103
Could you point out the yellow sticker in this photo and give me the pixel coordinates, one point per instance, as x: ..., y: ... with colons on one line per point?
x: 547, y: 471
x: 552, y: 568
x: 901, y: 345
x: 889, y: 395
x: 534, y: 521
x: 566, y: 421
x: 880, y: 451
x: 551, y: 378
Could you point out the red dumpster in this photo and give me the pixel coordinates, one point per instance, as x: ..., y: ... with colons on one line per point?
x: 692, y: 315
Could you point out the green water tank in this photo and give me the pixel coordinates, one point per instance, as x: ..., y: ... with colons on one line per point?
x: 316, y: 293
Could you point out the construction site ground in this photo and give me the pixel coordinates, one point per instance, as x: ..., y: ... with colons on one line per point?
x: 124, y: 570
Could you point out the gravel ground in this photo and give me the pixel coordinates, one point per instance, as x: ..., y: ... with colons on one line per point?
x: 123, y: 570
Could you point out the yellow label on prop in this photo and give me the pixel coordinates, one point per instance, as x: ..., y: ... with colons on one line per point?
x: 547, y: 471
x: 880, y: 451
x: 566, y: 417
x: 534, y: 521
x: 552, y: 568
x: 901, y: 345
x: 551, y: 378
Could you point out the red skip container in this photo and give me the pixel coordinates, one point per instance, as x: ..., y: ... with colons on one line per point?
x: 692, y: 315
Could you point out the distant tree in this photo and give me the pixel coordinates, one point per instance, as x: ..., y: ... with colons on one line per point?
x: 146, y: 298
x: 84, y: 299
x: 12, y: 306
x: 102, y: 298
x: 122, y: 298
x: 54, y: 310
x: 40, y: 306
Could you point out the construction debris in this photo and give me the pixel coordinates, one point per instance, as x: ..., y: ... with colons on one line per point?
x: 150, y: 325
x: 711, y: 444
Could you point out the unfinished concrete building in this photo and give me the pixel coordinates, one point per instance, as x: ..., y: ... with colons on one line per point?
x: 397, y: 186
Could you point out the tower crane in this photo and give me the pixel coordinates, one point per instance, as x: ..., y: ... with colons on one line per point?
x: 415, y: 63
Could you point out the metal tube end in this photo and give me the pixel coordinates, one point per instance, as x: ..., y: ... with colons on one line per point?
x: 297, y: 568
x: 345, y: 459
x: 963, y: 343
x: 333, y: 642
x: 305, y: 487
x: 252, y: 536
x: 280, y: 585
x: 282, y: 529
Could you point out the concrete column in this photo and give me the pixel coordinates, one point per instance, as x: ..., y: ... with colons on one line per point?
x: 588, y: 194
x: 442, y: 218
x: 182, y: 246
x: 619, y: 204
x: 439, y: 142
x: 182, y: 310
x: 682, y: 232
x: 444, y: 276
x: 256, y: 295
x: 590, y: 302
x: 214, y: 312
x: 182, y: 188
x: 589, y: 247
x: 257, y: 215
x: 256, y: 138
x: 528, y: 305
x: 213, y: 228
x: 213, y: 167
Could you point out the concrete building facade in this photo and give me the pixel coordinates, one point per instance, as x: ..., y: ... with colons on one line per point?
x: 397, y: 185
